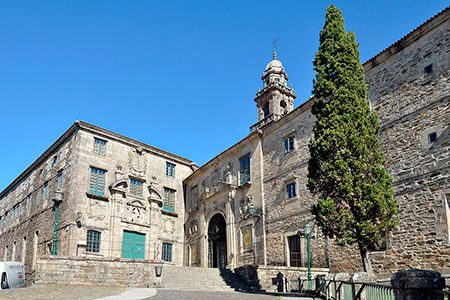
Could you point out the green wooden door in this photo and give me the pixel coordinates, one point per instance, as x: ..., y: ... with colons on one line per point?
x: 133, y: 245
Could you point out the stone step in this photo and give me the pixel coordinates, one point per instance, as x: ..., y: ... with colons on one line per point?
x: 194, y: 278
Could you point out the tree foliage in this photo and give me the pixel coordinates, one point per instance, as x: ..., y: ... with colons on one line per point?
x: 355, y: 202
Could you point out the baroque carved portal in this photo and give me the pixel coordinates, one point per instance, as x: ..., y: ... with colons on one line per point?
x: 136, y: 212
x: 137, y: 161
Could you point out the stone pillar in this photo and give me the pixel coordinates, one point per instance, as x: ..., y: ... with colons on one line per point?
x: 417, y: 284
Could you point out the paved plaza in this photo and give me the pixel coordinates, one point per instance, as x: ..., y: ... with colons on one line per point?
x: 67, y: 292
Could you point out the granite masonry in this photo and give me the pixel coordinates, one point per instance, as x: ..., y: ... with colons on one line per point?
x: 120, y: 199
x: 247, y: 208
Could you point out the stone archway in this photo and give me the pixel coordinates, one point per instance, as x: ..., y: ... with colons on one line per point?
x: 217, y: 242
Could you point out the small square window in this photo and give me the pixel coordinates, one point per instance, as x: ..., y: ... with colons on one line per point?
x: 100, y: 146
x: 432, y: 137
x: 428, y: 70
x: 55, y: 160
x: 289, y: 144
x: 290, y: 189
x: 170, y: 169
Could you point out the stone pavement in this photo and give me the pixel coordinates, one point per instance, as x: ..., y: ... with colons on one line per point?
x: 59, y: 292
x: 165, y: 294
x: 67, y: 292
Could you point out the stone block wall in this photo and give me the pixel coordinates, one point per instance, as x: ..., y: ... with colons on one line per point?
x: 261, y: 277
x: 412, y: 104
x: 97, y: 271
x: 285, y: 217
x: 29, y: 234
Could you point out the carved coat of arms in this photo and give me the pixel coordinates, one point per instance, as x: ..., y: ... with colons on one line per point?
x: 137, y: 161
x: 246, y: 208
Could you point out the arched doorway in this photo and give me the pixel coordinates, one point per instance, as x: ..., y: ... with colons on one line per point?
x: 217, y: 242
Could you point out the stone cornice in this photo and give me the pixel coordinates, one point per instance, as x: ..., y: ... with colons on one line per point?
x: 408, y: 39
x: 284, y: 89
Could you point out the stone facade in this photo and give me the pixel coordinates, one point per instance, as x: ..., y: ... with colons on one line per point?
x: 249, y: 205
x: 409, y: 88
x: 97, y: 214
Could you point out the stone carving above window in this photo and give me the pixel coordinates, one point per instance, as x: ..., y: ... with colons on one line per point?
x: 246, y: 208
x: 137, y: 161
x: 193, y: 229
x: 135, y: 212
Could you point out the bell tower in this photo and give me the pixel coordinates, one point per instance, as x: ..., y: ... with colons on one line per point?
x: 276, y: 99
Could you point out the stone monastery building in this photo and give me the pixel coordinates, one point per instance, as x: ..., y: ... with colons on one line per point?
x: 121, y: 199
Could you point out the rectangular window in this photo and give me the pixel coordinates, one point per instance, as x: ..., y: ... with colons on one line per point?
x: 170, y: 169
x: 428, y: 70
x: 46, y: 191
x: 93, y: 241
x: 290, y: 189
x: 194, y: 197
x: 28, y: 203
x: 39, y: 195
x: 244, y: 170
x: 432, y: 137
x: 136, y: 187
x: 295, y: 257
x: 167, y: 252
x: 100, y: 146
x: 169, y: 199
x: 60, y: 181
x: 97, y: 181
x: 289, y: 144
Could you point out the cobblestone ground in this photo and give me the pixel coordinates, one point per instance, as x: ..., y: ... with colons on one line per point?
x: 164, y: 294
x: 59, y: 292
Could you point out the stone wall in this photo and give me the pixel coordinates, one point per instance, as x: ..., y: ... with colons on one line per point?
x: 97, y: 271
x: 262, y: 277
x: 411, y: 105
x: 29, y: 234
x: 286, y: 216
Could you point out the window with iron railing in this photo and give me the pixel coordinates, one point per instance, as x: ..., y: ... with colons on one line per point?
x: 93, y: 241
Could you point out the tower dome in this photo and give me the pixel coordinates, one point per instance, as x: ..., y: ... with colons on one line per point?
x: 275, y: 64
x: 276, y: 99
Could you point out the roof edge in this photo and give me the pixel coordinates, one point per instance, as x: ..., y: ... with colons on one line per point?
x: 153, y: 149
x: 408, y: 39
x: 43, y: 156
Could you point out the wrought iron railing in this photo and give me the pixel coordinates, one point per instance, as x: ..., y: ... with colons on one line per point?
x: 346, y: 290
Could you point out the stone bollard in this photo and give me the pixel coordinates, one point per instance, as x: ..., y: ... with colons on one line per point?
x: 417, y: 284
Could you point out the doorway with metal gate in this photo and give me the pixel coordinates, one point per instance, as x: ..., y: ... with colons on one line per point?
x: 217, y: 242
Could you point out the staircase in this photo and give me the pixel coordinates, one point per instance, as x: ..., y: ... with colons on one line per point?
x: 203, y: 279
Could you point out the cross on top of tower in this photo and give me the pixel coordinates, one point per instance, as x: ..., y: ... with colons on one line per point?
x: 275, y: 47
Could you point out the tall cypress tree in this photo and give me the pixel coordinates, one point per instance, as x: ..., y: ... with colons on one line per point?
x: 355, y: 202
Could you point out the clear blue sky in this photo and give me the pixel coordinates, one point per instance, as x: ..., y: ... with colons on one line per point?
x: 179, y: 75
